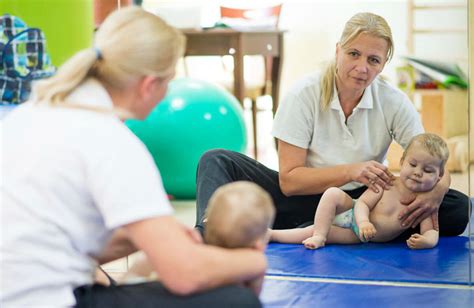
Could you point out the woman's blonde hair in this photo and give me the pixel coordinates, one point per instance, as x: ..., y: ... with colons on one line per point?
x: 367, y: 23
x: 131, y: 43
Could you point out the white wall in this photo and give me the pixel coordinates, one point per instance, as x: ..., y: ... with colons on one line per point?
x: 314, y: 26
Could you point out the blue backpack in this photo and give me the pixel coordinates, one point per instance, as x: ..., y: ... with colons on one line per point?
x: 23, y: 59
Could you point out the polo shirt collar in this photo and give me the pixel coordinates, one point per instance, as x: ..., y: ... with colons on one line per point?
x: 366, y: 102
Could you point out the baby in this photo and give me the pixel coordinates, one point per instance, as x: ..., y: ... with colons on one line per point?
x: 238, y: 216
x: 374, y: 216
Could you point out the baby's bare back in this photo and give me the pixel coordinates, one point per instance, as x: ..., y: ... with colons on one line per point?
x: 384, y: 216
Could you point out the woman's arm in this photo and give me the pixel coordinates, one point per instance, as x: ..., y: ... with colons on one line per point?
x: 297, y: 179
x: 186, y: 266
x: 119, y: 246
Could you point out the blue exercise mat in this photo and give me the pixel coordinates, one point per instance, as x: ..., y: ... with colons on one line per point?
x: 447, y: 263
x: 301, y: 294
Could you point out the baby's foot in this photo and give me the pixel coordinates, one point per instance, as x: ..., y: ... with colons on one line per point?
x: 314, y: 242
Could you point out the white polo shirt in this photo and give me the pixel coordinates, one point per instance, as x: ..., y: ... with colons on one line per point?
x: 383, y: 114
x: 70, y: 177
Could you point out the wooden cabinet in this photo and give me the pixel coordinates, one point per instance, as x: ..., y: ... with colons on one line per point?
x: 444, y: 112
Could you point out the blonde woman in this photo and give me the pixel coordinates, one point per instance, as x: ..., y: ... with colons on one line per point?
x: 80, y: 189
x: 334, y: 128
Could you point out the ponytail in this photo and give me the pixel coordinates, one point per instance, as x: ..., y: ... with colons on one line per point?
x: 327, y: 84
x: 130, y: 44
x: 71, y: 74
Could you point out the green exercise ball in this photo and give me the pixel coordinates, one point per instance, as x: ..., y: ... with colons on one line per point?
x: 67, y: 24
x: 194, y: 117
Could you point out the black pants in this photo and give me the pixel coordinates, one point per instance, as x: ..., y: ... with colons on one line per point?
x: 219, y: 167
x: 153, y: 294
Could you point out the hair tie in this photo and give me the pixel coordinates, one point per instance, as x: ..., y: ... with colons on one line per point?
x: 98, y: 53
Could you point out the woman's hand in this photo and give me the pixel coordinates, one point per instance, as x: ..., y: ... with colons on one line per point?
x: 417, y: 209
x: 372, y: 174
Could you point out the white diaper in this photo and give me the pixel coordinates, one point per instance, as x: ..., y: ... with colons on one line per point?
x: 344, y: 220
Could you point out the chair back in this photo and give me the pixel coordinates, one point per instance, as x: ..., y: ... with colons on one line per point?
x: 251, y: 18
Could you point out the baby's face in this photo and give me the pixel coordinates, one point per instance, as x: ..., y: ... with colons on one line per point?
x: 420, y: 171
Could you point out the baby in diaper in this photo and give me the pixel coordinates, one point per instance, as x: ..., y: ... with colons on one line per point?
x: 374, y: 216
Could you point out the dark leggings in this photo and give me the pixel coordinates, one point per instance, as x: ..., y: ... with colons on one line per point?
x: 154, y: 294
x: 219, y: 167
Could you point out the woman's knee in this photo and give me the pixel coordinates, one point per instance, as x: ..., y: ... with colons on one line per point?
x: 215, y: 155
x: 213, y: 158
x: 212, y: 155
x: 454, y: 213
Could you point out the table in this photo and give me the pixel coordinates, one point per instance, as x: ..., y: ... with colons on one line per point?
x: 220, y: 42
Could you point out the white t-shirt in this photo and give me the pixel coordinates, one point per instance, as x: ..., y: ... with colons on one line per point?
x: 383, y: 114
x: 70, y: 177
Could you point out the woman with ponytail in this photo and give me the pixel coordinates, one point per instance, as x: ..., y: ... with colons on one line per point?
x: 334, y: 128
x: 80, y: 189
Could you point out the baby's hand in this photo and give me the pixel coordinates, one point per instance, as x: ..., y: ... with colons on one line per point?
x: 417, y: 241
x: 367, y: 231
x: 314, y: 242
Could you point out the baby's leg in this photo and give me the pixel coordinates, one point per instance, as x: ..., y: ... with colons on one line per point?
x: 338, y: 235
x: 292, y: 236
x: 334, y: 201
x: 314, y: 242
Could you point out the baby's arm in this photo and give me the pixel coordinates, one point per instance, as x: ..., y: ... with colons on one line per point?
x: 428, y: 237
x: 362, y: 209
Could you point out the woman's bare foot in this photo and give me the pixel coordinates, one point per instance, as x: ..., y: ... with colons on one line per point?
x: 314, y: 242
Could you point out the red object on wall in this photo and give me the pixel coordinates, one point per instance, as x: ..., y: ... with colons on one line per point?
x: 102, y: 8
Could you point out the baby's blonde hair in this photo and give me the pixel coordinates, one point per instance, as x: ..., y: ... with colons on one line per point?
x: 367, y: 23
x: 238, y: 215
x: 131, y: 43
x: 433, y: 144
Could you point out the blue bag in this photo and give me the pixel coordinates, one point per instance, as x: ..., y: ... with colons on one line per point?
x: 23, y: 59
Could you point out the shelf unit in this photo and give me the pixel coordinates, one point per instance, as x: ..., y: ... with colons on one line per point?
x: 443, y: 112
x: 412, y: 30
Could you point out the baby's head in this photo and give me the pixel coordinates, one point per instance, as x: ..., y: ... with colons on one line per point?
x: 239, y: 215
x: 423, y: 162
